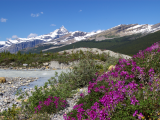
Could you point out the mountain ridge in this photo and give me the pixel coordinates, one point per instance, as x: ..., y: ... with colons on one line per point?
x: 62, y: 37
x: 14, y: 46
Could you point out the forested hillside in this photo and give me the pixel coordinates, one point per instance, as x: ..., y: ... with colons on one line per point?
x: 128, y: 45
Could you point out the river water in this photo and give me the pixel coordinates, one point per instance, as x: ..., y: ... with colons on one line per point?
x: 42, y: 75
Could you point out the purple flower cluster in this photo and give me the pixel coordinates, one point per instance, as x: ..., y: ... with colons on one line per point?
x: 47, y: 103
x: 141, y: 53
x: 117, y: 91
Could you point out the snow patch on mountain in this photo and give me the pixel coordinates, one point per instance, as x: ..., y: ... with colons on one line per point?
x: 136, y: 26
x: 2, y: 42
x: 79, y: 38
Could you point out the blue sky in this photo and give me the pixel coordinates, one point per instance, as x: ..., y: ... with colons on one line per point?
x: 26, y: 18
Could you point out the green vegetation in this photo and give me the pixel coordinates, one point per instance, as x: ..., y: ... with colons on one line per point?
x: 76, y: 78
x: 133, y: 47
x: 88, y: 71
x: 111, y: 36
x: 37, y: 48
x: 137, y: 97
x: 17, y: 60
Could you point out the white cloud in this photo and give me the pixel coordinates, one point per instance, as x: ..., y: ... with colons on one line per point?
x: 32, y: 35
x: 53, y: 25
x: 14, y: 36
x: 93, y: 31
x: 8, y: 38
x: 35, y: 15
x: 99, y: 30
x: 80, y: 10
x: 3, y: 20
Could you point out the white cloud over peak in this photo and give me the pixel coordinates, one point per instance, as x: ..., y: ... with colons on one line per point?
x: 80, y: 10
x: 8, y: 38
x: 41, y: 12
x: 32, y: 35
x: 53, y: 25
x: 99, y: 30
x: 3, y: 20
x: 14, y: 36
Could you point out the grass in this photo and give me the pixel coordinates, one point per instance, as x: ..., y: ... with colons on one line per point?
x: 132, y: 104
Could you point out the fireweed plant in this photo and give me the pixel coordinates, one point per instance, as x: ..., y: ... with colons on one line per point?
x: 130, y: 91
x: 43, y: 106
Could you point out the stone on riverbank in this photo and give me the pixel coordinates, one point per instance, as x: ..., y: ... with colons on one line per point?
x: 46, y: 64
x: 2, y: 80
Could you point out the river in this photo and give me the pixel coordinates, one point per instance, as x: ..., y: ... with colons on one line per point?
x: 42, y: 75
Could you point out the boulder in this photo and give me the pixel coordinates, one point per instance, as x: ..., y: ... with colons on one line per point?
x: 71, y: 67
x: 46, y: 64
x: 47, y: 67
x: 2, y: 80
x: 25, y: 65
x: 12, y: 63
x: 110, y: 67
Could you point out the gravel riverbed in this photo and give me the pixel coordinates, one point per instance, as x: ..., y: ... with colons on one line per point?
x: 7, y: 97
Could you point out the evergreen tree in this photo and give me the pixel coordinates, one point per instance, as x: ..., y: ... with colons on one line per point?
x: 41, y: 52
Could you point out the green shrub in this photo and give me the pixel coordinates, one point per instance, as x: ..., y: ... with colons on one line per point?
x: 102, y: 58
x: 99, y: 66
x: 84, y: 72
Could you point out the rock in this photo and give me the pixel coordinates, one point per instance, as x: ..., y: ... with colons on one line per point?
x: 25, y: 65
x: 11, y: 68
x: 43, y: 68
x: 46, y: 64
x: 25, y: 100
x: 9, y: 82
x: 28, y: 81
x: 47, y: 67
x: 19, y: 101
x: 110, y: 67
x: 12, y: 63
x: 71, y: 67
x: 1, y: 94
x: 2, y: 80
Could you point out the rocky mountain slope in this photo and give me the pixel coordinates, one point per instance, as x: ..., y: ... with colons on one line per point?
x: 119, y: 31
x: 61, y: 37
x: 124, y: 30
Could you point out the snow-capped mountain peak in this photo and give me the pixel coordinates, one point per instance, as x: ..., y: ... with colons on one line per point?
x: 62, y: 30
x: 58, y: 32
